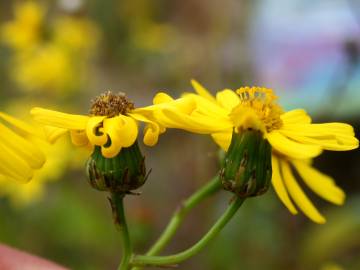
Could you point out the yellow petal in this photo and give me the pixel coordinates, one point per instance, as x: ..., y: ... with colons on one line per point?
x: 22, y: 147
x: 314, y: 130
x: 297, y: 116
x: 59, y: 119
x: 13, y: 165
x: 223, y: 139
x: 208, y: 108
x: 320, y: 183
x: 299, y: 196
x: 52, y: 134
x: 326, y: 142
x: 279, y: 186
x: 79, y: 137
x: 246, y: 118
x: 152, y: 129
x: 151, y: 134
x: 291, y: 148
x: 199, y: 124
x: 162, y: 98
x: 95, y: 131
x: 122, y: 131
x: 332, y: 136
x: 20, y: 124
x: 228, y: 99
x: 200, y: 90
x: 185, y: 105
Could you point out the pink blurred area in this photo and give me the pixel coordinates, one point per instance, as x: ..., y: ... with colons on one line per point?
x: 13, y: 259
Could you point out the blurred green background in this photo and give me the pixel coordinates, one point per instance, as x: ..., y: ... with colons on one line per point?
x: 60, y: 54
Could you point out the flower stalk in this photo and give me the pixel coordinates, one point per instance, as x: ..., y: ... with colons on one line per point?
x: 170, y: 260
x: 117, y: 206
x: 182, y: 211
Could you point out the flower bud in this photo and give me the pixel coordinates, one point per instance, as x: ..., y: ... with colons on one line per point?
x: 121, y: 174
x: 246, y: 170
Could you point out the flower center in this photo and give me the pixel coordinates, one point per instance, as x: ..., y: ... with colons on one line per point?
x: 110, y: 105
x: 257, y: 109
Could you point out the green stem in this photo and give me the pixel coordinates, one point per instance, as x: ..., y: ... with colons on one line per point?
x: 117, y: 204
x: 177, y: 218
x: 181, y: 212
x: 143, y: 260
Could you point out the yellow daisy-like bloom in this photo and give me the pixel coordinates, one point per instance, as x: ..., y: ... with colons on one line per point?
x: 295, y: 140
x: 25, y: 29
x: 19, y: 155
x: 112, y: 124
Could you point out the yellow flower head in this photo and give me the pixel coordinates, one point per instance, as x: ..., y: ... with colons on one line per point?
x: 295, y: 140
x: 20, y: 156
x: 24, y: 31
x: 47, y: 67
x: 257, y: 110
x: 111, y: 124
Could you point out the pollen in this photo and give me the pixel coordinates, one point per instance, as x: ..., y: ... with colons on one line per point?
x: 262, y: 102
x: 110, y: 105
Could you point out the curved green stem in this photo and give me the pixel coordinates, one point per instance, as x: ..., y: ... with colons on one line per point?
x: 117, y: 204
x: 143, y: 260
x: 181, y: 212
x: 177, y: 218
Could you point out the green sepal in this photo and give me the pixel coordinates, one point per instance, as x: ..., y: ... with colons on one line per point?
x: 246, y: 170
x: 122, y: 173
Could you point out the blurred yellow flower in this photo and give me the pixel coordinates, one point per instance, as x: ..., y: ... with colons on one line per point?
x: 46, y: 67
x: 76, y: 34
x: 24, y: 31
x: 49, y: 55
x: 112, y: 124
x: 20, y: 156
x: 295, y: 140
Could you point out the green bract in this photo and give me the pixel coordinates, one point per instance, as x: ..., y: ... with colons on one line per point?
x: 121, y: 174
x: 246, y: 169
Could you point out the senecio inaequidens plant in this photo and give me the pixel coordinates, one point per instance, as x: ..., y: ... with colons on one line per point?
x: 263, y: 146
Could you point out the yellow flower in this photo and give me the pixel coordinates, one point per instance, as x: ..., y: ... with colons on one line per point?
x: 25, y: 29
x: 20, y: 156
x: 76, y: 34
x: 112, y: 124
x: 46, y: 67
x: 295, y: 140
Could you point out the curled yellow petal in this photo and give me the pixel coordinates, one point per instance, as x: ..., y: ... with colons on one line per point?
x: 279, y: 186
x: 151, y: 134
x: 59, y: 119
x: 95, y: 131
x: 122, y: 132
x: 291, y: 148
x: 152, y: 129
x: 320, y: 183
x: 299, y: 196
